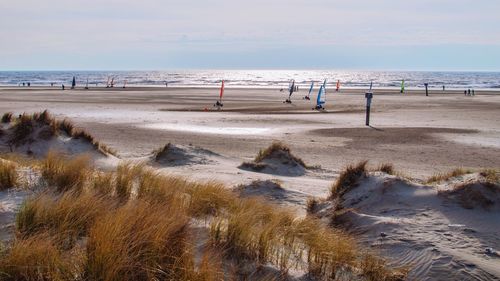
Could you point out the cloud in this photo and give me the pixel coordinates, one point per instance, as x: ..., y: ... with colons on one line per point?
x: 164, y: 27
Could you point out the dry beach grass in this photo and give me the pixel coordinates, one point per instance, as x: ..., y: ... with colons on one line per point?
x: 114, y: 227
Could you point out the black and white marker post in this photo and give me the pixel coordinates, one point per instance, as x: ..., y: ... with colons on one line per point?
x: 426, y: 89
x: 368, y: 97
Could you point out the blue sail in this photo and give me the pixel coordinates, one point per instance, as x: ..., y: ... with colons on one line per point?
x: 321, y: 99
x: 310, y: 89
x: 292, y: 89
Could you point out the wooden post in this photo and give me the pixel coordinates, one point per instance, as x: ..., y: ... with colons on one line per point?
x: 368, y: 97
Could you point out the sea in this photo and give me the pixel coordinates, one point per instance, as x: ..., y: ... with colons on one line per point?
x: 257, y: 78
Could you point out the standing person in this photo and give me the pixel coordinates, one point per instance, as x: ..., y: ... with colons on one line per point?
x: 29, y: 84
x: 473, y: 92
x: 468, y: 92
x: 465, y: 93
x: 62, y: 86
x: 443, y: 88
x: 24, y: 84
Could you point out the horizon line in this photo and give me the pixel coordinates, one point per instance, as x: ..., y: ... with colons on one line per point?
x: 252, y: 69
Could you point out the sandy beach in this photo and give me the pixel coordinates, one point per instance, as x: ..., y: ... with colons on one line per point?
x: 421, y: 136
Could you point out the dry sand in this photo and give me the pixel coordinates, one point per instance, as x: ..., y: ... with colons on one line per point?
x: 419, y: 227
x: 420, y: 135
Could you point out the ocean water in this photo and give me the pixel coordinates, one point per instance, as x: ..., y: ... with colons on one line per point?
x: 257, y: 78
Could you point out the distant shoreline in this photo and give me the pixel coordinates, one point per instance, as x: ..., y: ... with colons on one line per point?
x: 264, y: 79
x: 330, y: 90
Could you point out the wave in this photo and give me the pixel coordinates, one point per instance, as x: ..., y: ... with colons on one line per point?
x: 259, y: 78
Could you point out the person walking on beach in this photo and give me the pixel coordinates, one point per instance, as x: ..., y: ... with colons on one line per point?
x: 62, y: 87
x: 465, y: 93
x: 443, y: 88
x: 473, y: 94
x: 468, y: 92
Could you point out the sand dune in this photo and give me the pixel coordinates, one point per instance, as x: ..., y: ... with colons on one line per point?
x: 430, y: 232
x: 417, y: 226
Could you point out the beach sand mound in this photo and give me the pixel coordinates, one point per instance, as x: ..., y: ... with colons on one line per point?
x: 276, y: 159
x: 37, y: 134
x: 476, y: 192
x: 179, y: 155
x: 423, y: 227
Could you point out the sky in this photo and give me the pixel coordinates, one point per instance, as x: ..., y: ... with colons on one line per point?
x: 457, y: 35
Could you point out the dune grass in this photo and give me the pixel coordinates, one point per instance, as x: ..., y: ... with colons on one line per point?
x: 43, y: 117
x: 479, y: 193
x: 37, y: 258
x: 103, y: 183
x: 374, y: 269
x: 24, y: 127
x: 440, y: 177
x: 9, y: 177
x: 142, y: 237
x: 162, y: 152
x: 277, y: 147
x: 20, y: 160
x: 348, y: 178
x: 387, y: 168
x: 67, y: 217
x: 311, y: 205
x: 66, y: 126
x: 209, y: 199
x: 65, y: 174
x: 471, y: 195
x: 125, y: 179
x: 7, y: 117
x: 84, y: 135
x: 253, y: 166
x: 491, y: 176
x: 135, y: 224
